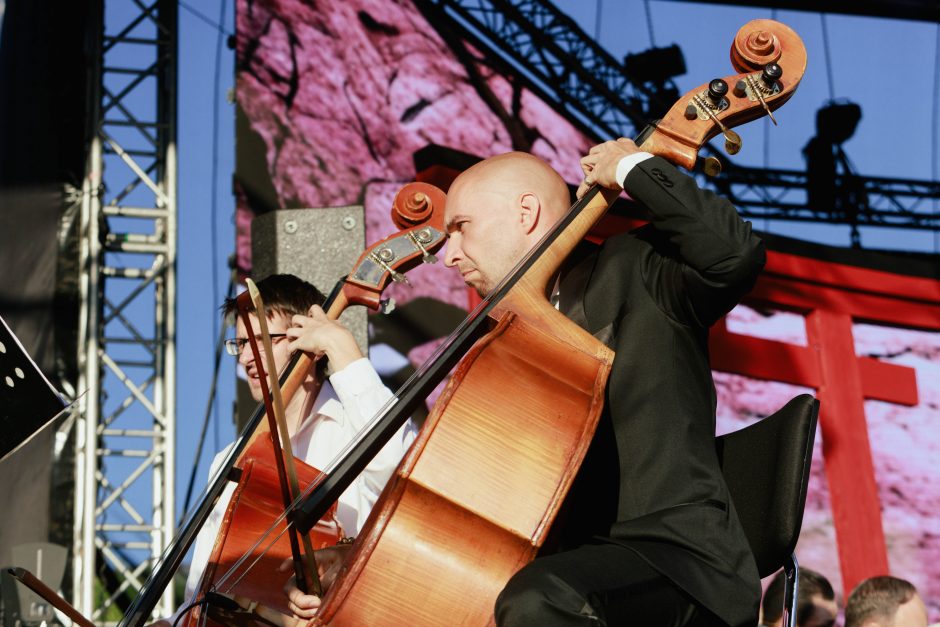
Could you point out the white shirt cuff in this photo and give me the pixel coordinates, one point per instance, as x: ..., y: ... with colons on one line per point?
x: 626, y: 164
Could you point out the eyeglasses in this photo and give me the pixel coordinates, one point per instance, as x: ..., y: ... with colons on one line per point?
x: 234, y: 346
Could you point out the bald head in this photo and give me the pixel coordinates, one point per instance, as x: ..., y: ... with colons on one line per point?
x: 496, y: 211
x: 513, y: 174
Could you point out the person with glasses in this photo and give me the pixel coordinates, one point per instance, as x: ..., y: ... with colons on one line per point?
x: 320, y: 423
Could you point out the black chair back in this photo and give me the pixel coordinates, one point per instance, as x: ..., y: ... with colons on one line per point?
x: 766, y: 466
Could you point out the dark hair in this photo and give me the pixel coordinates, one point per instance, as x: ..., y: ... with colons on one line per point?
x: 877, y: 597
x: 811, y: 584
x: 285, y: 294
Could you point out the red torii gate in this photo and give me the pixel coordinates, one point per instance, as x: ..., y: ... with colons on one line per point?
x: 831, y: 296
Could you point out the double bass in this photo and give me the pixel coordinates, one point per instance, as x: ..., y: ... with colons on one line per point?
x: 475, y: 498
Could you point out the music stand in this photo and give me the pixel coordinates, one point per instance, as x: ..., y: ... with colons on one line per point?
x: 28, y: 402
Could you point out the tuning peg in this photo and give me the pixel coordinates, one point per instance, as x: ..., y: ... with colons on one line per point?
x: 387, y: 305
x: 382, y: 257
x: 712, y: 166
x: 421, y: 238
x: 771, y: 74
x: 733, y: 142
x: 717, y: 90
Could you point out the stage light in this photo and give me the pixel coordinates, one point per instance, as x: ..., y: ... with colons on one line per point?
x: 832, y: 187
x: 656, y: 65
x: 836, y: 122
x: 654, y: 69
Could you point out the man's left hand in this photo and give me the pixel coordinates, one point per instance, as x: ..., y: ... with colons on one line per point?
x: 600, y: 164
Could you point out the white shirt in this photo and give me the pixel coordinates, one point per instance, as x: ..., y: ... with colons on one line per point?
x: 347, y: 401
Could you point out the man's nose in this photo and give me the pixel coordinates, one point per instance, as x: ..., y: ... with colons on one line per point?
x: 451, y: 253
x: 246, y: 356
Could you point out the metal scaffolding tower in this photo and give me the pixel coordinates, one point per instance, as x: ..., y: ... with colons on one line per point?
x: 125, y: 435
x: 567, y: 68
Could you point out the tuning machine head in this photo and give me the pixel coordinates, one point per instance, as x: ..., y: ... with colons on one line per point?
x: 711, y: 166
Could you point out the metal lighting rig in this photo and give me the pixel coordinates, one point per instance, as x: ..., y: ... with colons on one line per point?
x: 567, y: 68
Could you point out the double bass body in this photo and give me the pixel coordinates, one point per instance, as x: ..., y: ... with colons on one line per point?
x: 476, y: 495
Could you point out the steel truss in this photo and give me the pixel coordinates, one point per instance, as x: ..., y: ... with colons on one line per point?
x: 568, y: 68
x: 125, y: 437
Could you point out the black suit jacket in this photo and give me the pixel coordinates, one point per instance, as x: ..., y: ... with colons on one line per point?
x: 651, y: 480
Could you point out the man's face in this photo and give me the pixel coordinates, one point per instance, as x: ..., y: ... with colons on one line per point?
x: 277, y: 323
x: 485, y: 238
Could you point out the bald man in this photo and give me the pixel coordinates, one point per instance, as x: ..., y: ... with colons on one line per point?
x: 648, y: 534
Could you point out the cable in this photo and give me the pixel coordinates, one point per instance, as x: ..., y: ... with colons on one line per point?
x: 207, y: 20
x: 597, y: 22
x: 210, y: 405
x: 825, y: 37
x: 934, y: 158
x: 773, y: 16
x: 180, y: 614
x: 649, y: 22
x: 214, y: 193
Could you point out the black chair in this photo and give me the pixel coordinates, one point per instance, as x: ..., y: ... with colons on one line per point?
x: 766, y: 466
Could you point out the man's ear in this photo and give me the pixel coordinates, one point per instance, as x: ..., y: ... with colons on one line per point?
x: 530, y: 209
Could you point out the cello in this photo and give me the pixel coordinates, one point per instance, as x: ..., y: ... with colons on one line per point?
x: 474, y: 499
x: 418, y: 211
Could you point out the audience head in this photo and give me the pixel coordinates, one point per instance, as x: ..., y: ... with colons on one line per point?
x: 885, y: 602
x: 815, y: 605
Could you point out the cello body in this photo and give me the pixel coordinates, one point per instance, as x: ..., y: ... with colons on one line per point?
x: 250, y: 514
